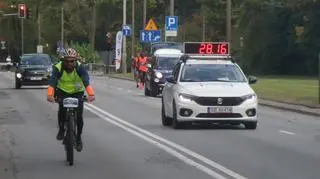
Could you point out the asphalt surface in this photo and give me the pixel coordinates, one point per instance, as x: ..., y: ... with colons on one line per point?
x: 123, y: 138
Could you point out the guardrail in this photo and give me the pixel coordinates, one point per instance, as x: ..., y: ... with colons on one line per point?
x: 6, y: 67
x: 99, y: 69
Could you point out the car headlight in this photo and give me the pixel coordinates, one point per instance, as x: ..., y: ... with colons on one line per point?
x: 19, y: 75
x: 159, y: 75
x: 49, y: 70
x: 251, y: 97
x: 186, y: 97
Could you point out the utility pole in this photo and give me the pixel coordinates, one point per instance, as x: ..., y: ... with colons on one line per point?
x: 133, y: 49
x: 94, y: 17
x: 203, y: 28
x: 62, y: 24
x: 39, y: 28
x: 171, y: 9
x: 22, y: 37
x: 144, y: 13
x: 319, y: 79
x: 229, y: 22
x: 124, y: 49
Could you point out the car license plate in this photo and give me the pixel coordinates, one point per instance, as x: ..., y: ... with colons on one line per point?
x: 219, y: 109
x: 36, y: 78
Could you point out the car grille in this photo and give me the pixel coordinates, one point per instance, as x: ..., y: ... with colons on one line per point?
x: 37, y: 74
x: 213, y: 101
x: 219, y: 115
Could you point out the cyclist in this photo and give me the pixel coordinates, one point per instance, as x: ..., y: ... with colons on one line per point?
x: 69, y: 79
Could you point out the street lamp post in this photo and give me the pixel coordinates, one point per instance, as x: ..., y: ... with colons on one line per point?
x: 133, y: 51
x: 124, y: 49
x: 62, y: 24
x: 319, y: 79
x: 228, y: 8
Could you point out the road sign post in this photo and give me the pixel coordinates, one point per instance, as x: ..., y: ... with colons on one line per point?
x: 319, y: 79
x: 171, y: 29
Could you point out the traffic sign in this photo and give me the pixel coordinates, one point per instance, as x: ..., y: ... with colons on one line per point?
x: 172, y: 25
x: 126, y: 30
x: 151, y: 25
x: 149, y: 36
x: 3, y: 45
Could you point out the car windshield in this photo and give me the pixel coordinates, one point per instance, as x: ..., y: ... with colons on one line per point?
x: 167, y: 63
x: 211, y: 73
x: 43, y: 60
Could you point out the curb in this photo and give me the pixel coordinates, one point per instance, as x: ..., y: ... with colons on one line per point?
x: 310, y: 113
x: 280, y: 106
x: 121, y: 78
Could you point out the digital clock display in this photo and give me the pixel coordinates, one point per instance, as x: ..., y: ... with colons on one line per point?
x: 206, y: 48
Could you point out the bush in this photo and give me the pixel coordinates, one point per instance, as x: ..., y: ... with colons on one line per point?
x: 86, y: 51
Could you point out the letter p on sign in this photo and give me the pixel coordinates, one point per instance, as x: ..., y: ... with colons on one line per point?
x: 172, y: 21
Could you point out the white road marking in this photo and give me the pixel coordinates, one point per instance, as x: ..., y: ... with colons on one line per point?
x: 120, y: 88
x: 146, y: 133
x: 164, y: 147
x: 286, y: 132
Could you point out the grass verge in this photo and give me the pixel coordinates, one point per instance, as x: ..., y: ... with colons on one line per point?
x: 289, y: 89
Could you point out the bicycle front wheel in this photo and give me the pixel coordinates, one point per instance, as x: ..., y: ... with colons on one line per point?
x: 70, y: 140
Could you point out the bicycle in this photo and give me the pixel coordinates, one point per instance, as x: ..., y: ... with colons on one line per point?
x: 70, y: 122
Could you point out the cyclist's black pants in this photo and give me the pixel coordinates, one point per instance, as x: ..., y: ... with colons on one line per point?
x: 62, y: 111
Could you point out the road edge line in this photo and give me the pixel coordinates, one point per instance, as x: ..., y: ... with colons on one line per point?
x: 164, y: 147
x: 212, y: 163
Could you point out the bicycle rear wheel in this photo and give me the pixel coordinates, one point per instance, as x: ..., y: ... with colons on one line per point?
x: 70, y: 140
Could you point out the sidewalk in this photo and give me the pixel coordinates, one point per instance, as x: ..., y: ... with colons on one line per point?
x: 6, y: 164
x: 278, y: 105
x: 7, y: 168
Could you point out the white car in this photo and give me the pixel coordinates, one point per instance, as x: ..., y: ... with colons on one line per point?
x: 209, y: 89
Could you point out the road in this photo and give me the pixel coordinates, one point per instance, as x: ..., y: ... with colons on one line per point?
x: 123, y: 138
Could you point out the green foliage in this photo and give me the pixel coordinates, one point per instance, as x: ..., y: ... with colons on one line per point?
x: 271, y: 43
x: 86, y: 51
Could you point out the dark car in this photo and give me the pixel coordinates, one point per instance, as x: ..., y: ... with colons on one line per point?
x: 165, y: 45
x: 162, y: 64
x: 33, y: 70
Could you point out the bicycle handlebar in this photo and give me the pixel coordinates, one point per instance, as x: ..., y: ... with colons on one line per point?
x: 82, y: 99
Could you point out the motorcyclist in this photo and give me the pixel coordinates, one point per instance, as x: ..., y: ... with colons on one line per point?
x: 69, y: 79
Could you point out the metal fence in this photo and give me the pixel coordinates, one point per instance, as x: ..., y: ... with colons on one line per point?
x: 104, y: 67
x: 99, y: 69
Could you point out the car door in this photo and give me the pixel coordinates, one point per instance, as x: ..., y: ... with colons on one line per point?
x: 170, y: 89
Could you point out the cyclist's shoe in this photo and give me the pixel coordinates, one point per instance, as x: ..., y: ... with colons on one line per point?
x: 60, y: 134
x: 79, y: 144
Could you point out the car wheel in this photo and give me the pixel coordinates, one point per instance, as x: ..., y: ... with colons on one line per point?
x: 250, y: 125
x: 153, y: 92
x: 166, y: 121
x: 18, y: 84
x: 175, y: 123
x: 146, y: 90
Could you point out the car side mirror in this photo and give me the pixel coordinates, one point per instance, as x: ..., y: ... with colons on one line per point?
x: 171, y: 80
x: 252, y: 80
